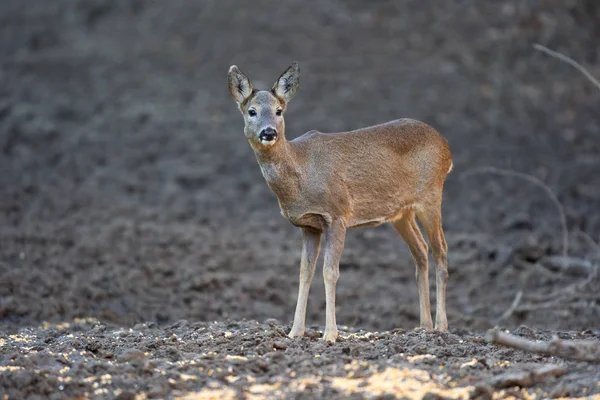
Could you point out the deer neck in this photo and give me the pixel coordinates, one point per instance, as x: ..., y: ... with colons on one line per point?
x: 280, y: 169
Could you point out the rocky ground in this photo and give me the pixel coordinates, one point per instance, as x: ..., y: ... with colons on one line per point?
x: 248, y: 359
x: 130, y: 202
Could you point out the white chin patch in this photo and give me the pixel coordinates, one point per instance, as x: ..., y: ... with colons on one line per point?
x: 268, y: 142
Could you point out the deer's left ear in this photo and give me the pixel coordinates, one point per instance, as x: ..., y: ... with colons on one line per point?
x: 285, y: 87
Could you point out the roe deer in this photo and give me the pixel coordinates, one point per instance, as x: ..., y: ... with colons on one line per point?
x: 328, y: 182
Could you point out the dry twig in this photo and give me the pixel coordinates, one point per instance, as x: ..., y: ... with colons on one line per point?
x: 569, y: 61
x: 507, y: 314
x: 568, y: 349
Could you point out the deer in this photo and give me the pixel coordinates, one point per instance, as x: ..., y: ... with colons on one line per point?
x: 327, y: 183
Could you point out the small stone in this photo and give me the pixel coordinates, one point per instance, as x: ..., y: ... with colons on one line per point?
x: 125, y: 396
x: 260, y: 365
x: 93, y: 346
x: 130, y: 355
x: 481, y: 392
x: 279, y: 345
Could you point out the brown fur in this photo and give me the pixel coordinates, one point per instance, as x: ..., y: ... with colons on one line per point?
x: 328, y: 182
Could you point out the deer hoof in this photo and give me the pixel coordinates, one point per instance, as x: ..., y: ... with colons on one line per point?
x: 441, y: 326
x: 330, y: 336
x: 294, y: 333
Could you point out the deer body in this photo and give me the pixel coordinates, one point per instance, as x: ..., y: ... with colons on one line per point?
x: 366, y: 177
x: 326, y: 183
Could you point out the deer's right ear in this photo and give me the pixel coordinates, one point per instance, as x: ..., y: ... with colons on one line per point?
x: 239, y: 84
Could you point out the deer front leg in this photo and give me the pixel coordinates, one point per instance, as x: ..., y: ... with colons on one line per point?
x: 311, y: 243
x: 335, y: 236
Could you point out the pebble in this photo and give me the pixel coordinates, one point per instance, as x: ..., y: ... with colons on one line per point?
x: 130, y: 355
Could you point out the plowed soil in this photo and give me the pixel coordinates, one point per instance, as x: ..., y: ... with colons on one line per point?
x: 142, y: 254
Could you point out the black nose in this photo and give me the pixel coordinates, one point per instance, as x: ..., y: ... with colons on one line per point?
x: 268, y: 134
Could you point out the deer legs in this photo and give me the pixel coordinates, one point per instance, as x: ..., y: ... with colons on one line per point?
x: 334, y: 244
x: 409, y: 230
x: 431, y: 219
x: 311, y: 243
x: 407, y: 227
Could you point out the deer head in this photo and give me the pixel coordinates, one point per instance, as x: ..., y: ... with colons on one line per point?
x: 263, y: 110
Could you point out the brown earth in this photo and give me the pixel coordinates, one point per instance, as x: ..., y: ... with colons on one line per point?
x: 247, y: 359
x: 129, y: 195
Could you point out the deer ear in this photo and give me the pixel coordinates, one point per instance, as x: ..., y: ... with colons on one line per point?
x: 285, y: 87
x: 240, y: 86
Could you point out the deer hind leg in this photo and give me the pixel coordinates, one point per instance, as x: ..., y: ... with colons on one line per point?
x: 311, y: 242
x: 409, y: 230
x: 431, y: 219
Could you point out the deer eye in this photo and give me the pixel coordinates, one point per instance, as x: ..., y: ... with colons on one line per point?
x: 278, y: 112
x: 252, y: 113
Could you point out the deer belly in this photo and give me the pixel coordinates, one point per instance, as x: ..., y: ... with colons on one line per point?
x: 368, y: 222
x: 363, y: 221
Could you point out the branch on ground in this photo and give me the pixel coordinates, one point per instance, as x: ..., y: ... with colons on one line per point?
x: 528, y: 378
x: 567, y: 349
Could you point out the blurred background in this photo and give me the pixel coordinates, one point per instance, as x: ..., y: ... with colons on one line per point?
x: 129, y: 193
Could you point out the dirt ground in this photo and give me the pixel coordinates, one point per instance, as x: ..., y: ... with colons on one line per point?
x: 139, y: 244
